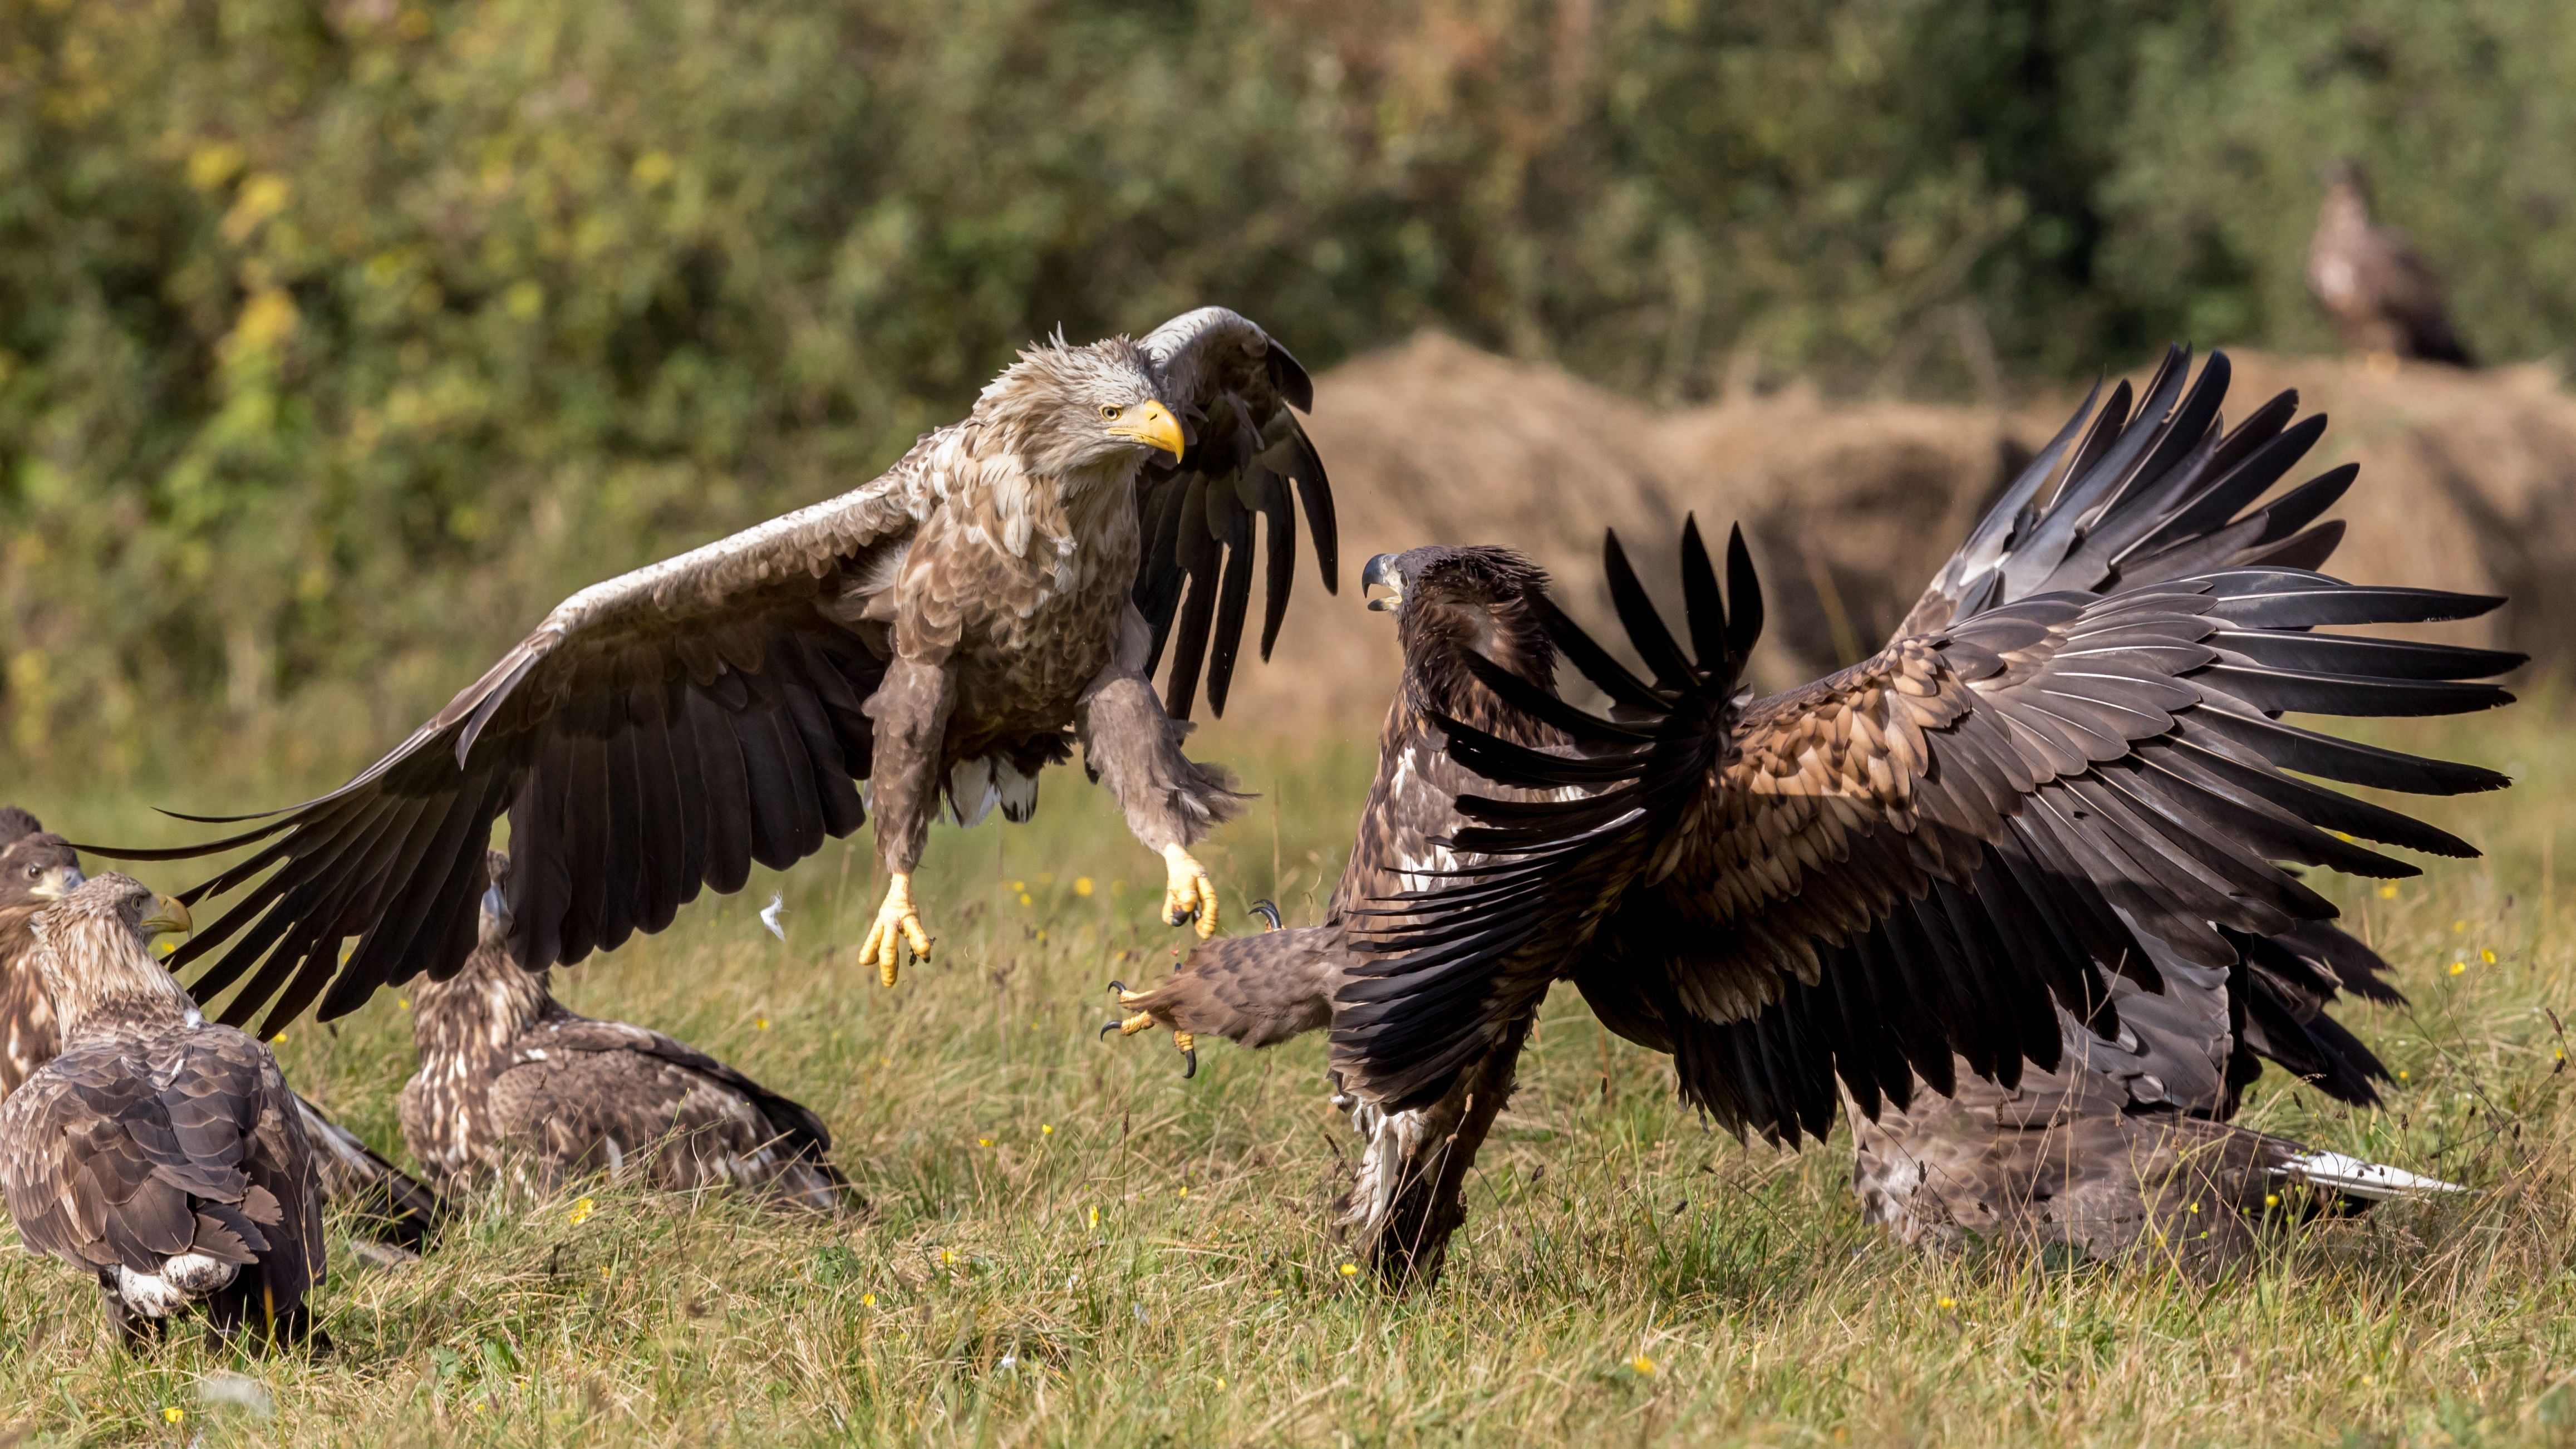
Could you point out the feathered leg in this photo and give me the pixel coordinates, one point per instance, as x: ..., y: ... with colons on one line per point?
x: 1409, y: 1196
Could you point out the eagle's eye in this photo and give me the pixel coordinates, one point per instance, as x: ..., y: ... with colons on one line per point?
x: 34, y: 871
x: 1109, y: 412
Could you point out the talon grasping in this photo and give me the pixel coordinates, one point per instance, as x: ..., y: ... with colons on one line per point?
x: 1149, y: 1018
x: 1187, y: 892
x: 1268, y: 911
x: 897, y: 925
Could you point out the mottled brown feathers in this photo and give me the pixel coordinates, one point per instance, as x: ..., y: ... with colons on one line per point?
x: 514, y: 1087
x: 162, y: 1155
x: 2384, y: 297
x: 939, y: 630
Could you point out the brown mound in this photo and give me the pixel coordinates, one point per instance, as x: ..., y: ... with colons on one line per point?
x: 2466, y: 484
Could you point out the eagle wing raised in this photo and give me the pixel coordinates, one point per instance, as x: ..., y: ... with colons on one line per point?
x: 1930, y: 848
x: 658, y: 733
x: 1236, y: 387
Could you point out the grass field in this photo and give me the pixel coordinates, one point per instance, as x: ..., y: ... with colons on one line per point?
x: 1069, y: 1244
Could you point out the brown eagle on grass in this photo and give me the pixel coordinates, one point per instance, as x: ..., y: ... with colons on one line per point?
x: 36, y: 868
x: 159, y: 1152
x: 1005, y: 590
x: 514, y: 1087
x: 2037, y: 829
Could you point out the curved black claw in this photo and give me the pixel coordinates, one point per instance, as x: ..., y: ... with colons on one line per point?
x: 1117, y: 985
x: 1191, y: 1056
x: 1268, y: 911
x: 1107, y: 1027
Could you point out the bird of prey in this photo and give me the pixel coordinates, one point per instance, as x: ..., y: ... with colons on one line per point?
x: 1003, y: 591
x: 2384, y: 298
x: 37, y: 867
x: 1406, y: 1198
x: 513, y: 1087
x: 1918, y: 869
x: 160, y: 1152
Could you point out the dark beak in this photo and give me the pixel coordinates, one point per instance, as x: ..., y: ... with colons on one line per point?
x: 1383, y: 573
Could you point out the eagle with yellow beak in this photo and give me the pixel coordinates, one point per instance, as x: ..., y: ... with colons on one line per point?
x: 1004, y: 592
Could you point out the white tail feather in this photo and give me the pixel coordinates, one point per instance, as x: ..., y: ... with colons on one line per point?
x: 2361, y: 1179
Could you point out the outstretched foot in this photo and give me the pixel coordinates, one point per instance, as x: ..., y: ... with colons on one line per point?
x: 1187, y: 892
x: 1268, y: 911
x: 897, y: 925
x: 1144, y: 1020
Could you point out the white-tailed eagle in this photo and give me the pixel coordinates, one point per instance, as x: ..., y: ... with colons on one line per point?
x: 1002, y: 592
x: 513, y: 1087
x: 159, y: 1152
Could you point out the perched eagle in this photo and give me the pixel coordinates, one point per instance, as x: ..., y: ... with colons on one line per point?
x: 36, y: 868
x: 2382, y: 294
x: 512, y: 1086
x: 1014, y: 577
x: 2068, y: 768
x: 159, y: 1151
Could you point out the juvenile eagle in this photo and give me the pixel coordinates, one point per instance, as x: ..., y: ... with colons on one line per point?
x: 159, y: 1152
x: 1407, y: 1195
x: 514, y: 1086
x: 1015, y: 576
x: 2383, y: 295
x: 36, y: 868
x: 2068, y: 767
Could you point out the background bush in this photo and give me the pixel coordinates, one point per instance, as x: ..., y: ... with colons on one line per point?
x: 336, y: 341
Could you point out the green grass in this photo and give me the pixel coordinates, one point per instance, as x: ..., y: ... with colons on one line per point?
x: 1628, y: 1276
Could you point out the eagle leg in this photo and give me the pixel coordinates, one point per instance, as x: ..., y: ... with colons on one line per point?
x: 1187, y: 892
x: 897, y: 925
x: 1145, y: 1020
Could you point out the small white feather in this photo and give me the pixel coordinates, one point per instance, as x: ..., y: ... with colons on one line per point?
x: 769, y: 914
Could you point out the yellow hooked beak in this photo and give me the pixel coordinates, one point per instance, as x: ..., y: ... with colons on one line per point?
x: 1151, y: 423
x: 168, y: 918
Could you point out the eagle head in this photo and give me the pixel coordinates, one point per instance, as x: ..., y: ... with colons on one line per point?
x: 93, y: 952
x: 1069, y: 411
x: 36, y: 868
x: 1446, y: 599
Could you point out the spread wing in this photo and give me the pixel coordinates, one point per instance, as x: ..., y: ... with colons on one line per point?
x: 1937, y: 843
x: 656, y: 734
x: 1234, y: 388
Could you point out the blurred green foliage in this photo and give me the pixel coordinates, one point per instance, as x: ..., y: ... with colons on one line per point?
x: 337, y: 340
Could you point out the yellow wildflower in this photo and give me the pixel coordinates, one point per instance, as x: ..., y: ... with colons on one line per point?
x: 760, y: 1023
x: 983, y: 1141
x: 867, y: 1300
x: 2402, y: 1074
x: 2459, y: 925
x: 2388, y: 893
x: 1046, y: 877
x: 1082, y: 885
x: 1350, y: 1270
x: 1949, y: 1302
x: 174, y: 1415
x: 581, y: 1212
x: 2459, y: 966
x: 403, y: 1002
x: 1642, y: 1364
x: 2271, y: 1199
x: 1024, y: 899
x: 1045, y: 1129
x: 2487, y: 954
x: 1095, y: 1216
x: 1019, y: 885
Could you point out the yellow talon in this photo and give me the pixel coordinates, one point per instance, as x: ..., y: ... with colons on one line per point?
x: 897, y: 925
x: 1144, y: 1020
x: 1187, y: 892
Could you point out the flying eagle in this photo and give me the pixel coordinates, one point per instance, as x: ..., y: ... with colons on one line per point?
x: 512, y: 1086
x: 2383, y: 296
x: 1015, y: 577
x: 159, y: 1152
x: 36, y: 868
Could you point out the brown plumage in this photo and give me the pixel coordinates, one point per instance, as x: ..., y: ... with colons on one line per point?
x: 37, y: 867
x: 1002, y: 593
x: 159, y: 1152
x: 513, y: 1087
x: 1407, y: 1196
x: 2383, y: 296
x: 2068, y: 770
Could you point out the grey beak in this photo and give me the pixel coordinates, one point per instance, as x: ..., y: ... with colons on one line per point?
x: 1382, y: 573
x: 495, y: 904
